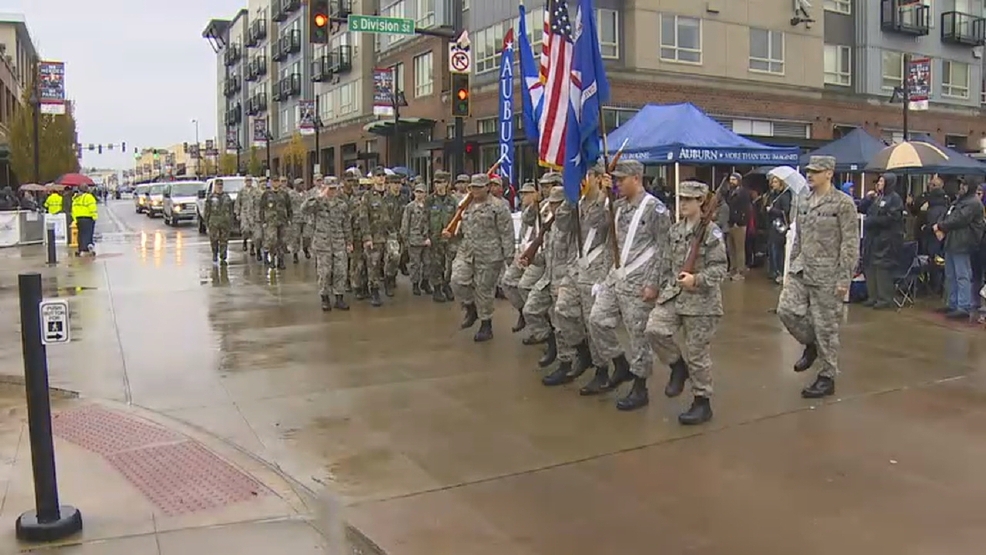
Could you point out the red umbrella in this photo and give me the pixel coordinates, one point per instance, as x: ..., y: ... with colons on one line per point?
x: 74, y: 180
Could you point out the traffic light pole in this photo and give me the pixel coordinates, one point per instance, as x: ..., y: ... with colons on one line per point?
x: 267, y: 138
x: 458, y: 143
x: 36, y: 107
x: 318, y: 131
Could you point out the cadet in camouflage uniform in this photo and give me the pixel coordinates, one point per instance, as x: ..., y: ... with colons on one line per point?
x: 395, y: 204
x: 628, y: 293
x: 415, y: 234
x: 243, y: 207
x: 357, y: 262
x: 332, y: 239
x: 306, y: 225
x: 441, y: 210
x: 219, y: 221
x: 460, y: 189
x: 487, y: 240
x: 275, y: 216
x: 258, y: 226
x: 376, y: 227
x: 690, y: 304
x: 293, y: 239
x: 536, y: 315
x: 496, y: 191
x: 823, y: 257
x: 529, y: 228
x: 571, y: 313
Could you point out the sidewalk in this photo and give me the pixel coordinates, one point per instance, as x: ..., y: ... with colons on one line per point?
x: 146, y: 485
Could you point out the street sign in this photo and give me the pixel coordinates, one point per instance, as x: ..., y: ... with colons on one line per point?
x: 376, y: 24
x: 459, y: 61
x: 54, y: 322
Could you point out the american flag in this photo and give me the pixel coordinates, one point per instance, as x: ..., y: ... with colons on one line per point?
x: 556, y: 69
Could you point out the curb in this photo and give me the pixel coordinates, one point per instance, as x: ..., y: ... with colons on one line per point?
x: 55, y: 392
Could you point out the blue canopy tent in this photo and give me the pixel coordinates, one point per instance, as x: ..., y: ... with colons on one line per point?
x: 852, y: 152
x: 958, y: 163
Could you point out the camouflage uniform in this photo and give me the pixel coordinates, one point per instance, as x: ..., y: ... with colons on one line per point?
x: 416, y: 235
x: 244, y: 210
x: 357, y: 262
x: 693, y: 315
x: 258, y: 226
x: 218, y: 218
x: 275, y: 216
x: 441, y: 210
x: 529, y: 228
x: 823, y: 257
x: 395, y: 204
x: 293, y: 238
x: 375, y: 226
x: 556, y: 254
x: 308, y: 223
x: 332, y: 237
x: 487, y: 240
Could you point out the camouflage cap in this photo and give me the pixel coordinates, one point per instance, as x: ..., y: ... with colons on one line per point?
x: 599, y: 168
x: 351, y: 175
x: 420, y: 188
x: 821, y: 163
x: 557, y: 194
x: 479, y: 180
x: 379, y: 171
x: 298, y: 181
x: 496, y: 179
x: 462, y: 178
x: 626, y: 168
x: 393, y: 178
x: 692, y: 189
x: 551, y: 178
x: 528, y: 187
x: 331, y: 181
x: 317, y: 176
x: 442, y: 175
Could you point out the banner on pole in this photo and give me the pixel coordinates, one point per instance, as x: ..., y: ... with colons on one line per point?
x: 259, y: 132
x: 232, y: 140
x: 383, y: 92
x: 51, y: 87
x: 306, y: 117
x: 507, y: 114
x: 919, y: 83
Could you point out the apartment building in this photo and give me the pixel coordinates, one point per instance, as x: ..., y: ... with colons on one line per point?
x: 18, y: 57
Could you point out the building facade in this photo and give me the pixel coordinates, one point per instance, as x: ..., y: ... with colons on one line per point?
x: 18, y: 57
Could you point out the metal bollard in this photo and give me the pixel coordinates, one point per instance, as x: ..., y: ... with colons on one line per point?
x: 49, y: 521
x: 73, y: 235
x: 50, y: 236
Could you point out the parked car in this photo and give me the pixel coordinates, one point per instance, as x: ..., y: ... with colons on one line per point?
x: 231, y: 185
x: 155, y: 200
x: 140, y: 198
x: 180, y: 201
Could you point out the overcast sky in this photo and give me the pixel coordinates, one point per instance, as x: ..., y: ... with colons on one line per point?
x: 138, y: 71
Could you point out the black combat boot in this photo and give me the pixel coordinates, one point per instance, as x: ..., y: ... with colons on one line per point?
x: 361, y: 294
x: 485, y: 332
x: 699, y: 413
x: 426, y: 287
x: 499, y: 293
x: 470, y: 315
x: 253, y: 250
x: 341, y: 303
x: 821, y: 387
x: 621, y: 372
x: 637, y: 398
x: 308, y: 253
x: 389, y: 286
x: 447, y: 289
x: 295, y: 257
x: 676, y: 382
x: 326, y: 305
x: 521, y: 322
x: 260, y: 255
x: 560, y: 375
x: 375, y: 298
x: 280, y: 262
x: 215, y: 255
x: 244, y: 245
x: 415, y: 289
x: 598, y: 383
x: 583, y: 360
x: 438, y: 296
x: 403, y: 267
x: 807, y: 358
x: 550, y: 353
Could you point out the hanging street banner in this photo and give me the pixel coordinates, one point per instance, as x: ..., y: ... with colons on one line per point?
x: 193, y: 151
x: 232, y: 140
x: 51, y: 87
x: 383, y: 92
x: 210, y: 148
x: 507, y: 114
x: 259, y: 132
x: 919, y: 83
x: 306, y: 117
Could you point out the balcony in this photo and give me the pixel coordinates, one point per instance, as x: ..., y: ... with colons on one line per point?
x: 232, y: 85
x: 290, y: 6
x: 340, y: 59
x: 256, y: 33
x: 340, y: 8
x: 276, y: 13
x: 231, y: 54
x: 912, y: 19
x: 234, y: 115
x: 962, y: 28
x: 320, y: 69
x: 288, y: 87
x: 256, y: 68
x: 288, y: 43
x: 257, y: 104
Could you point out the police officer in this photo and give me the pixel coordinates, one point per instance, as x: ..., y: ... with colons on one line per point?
x: 690, y: 303
x: 824, y: 255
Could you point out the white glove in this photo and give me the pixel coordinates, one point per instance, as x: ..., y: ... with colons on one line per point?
x: 597, y: 288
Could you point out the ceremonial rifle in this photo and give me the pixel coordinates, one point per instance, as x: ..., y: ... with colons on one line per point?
x: 710, y: 207
x: 610, y: 167
x: 453, y: 225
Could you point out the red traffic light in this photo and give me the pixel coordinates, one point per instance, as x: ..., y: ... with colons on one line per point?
x: 470, y: 147
x: 463, y: 94
x: 321, y: 20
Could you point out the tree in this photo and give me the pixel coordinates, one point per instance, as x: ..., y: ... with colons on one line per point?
x: 293, y: 155
x: 227, y: 164
x: 56, y: 138
x: 255, y: 166
x: 208, y: 167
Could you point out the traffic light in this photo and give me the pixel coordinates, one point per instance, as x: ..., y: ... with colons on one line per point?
x: 100, y: 149
x: 320, y: 22
x: 460, y: 95
x: 471, y: 147
x: 123, y: 147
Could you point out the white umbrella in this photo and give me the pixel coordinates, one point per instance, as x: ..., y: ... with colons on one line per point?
x: 799, y: 189
x: 791, y: 177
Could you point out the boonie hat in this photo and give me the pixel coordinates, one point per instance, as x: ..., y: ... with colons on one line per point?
x: 479, y: 180
x: 557, y: 194
x: 551, y: 178
x: 692, y: 189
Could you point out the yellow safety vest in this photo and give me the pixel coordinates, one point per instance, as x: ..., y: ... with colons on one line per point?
x: 54, y: 203
x: 84, y: 206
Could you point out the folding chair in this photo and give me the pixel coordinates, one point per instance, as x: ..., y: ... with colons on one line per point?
x: 906, y: 275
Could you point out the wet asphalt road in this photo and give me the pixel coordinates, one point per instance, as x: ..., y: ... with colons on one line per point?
x: 443, y: 446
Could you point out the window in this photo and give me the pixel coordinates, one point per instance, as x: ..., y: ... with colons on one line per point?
x: 397, y: 10
x: 839, y: 6
x: 608, y: 24
x: 325, y: 107
x: 766, y: 51
x: 347, y: 98
x: 892, y: 69
x: 285, y: 120
x: 398, y: 70
x: 450, y: 131
x: 424, y: 77
x: 954, y: 79
x: 488, y: 44
x: 486, y: 125
x: 425, y: 14
x: 838, y: 65
x: 615, y: 117
x: 681, y: 39
x: 771, y: 128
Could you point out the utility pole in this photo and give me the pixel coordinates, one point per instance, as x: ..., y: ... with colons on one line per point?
x: 35, y: 102
x: 267, y: 139
x: 398, y: 99
x: 905, y: 91
x: 318, y: 130
x: 458, y: 143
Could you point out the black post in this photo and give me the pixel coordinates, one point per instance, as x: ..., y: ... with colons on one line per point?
x: 395, y: 96
x: 267, y: 137
x: 318, y: 131
x: 237, y: 154
x: 458, y: 143
x: 906, y: 92
x: 49, y: 521
x: 50, y: 234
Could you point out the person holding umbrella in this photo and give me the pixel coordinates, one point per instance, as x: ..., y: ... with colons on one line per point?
x: 85, y: 213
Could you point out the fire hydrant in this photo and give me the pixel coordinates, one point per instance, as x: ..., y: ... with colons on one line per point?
x: 73, y: 235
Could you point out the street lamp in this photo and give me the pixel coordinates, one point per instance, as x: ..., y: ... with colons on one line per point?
x: 398, y: 100
x: 196, y: 123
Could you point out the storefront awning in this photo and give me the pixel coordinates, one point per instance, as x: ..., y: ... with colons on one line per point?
x: 385, y: 127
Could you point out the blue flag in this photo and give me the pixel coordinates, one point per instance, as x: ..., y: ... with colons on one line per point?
x: 589, y: 90
x: 507, y: 114
x: 532, y: 89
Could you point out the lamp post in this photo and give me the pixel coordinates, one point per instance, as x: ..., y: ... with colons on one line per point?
x: 198, y: 160
x: 267, y: 139
x: 398, y: 100
x: 903, y: 93
x: 35, y: 102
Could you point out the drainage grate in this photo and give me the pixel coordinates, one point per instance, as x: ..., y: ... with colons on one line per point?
x: 185, y: 477
x: 105, y: 432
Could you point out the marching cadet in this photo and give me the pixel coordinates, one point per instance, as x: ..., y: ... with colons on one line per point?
x: 218, y: 218
x: 307, y: 229
x: 555, y: 255
x: 243, y: 208
x: 575, y: 339
x: 332, y: 239
x: 395, y: 204
x: 275, y: 216
x: 461, y: 187
x: 375, y: 226
x: 628, y: 293
x: 441, y: 210
x: 294, y: 228
x: 415, y: 234
x: 487, y: 240
x: 689, y: 304
x: 529, y: 228
x: 823, y: 257
x: 496, y: 191
x: 357, y: 262
x: 257, y: 226
x: 536, y: 315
